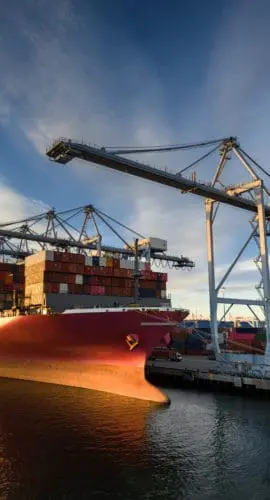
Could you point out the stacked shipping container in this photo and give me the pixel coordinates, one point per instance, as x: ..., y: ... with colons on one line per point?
x: 69, y: 273
x: 11, y: 279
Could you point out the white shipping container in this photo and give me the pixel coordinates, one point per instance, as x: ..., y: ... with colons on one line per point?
x: 79, y: 279
x: 102, y: 261
x: 63, y: 288
x: 163, y: 294
x: 141, y: 266
x: 88, y: 260
x: 158, y: 244
x: 39, y: 257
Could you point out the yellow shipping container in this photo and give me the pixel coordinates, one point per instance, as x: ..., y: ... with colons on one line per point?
x: 109, y: 262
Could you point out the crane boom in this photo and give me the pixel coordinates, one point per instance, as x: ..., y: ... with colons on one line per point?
x: 64, y: 151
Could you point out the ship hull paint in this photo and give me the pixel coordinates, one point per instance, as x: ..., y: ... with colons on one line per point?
x: 85, y: 350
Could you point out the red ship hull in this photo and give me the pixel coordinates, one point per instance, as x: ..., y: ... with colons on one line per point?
x: 86, y: 349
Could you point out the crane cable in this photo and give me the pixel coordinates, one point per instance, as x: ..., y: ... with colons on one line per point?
x: 164, y: 148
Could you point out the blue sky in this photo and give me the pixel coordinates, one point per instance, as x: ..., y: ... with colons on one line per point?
x: 133, y: 73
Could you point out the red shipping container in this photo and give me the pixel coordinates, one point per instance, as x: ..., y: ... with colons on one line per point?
x: 50, y: 265
x: 94, y: 281
x: 117, y: 272
x: 147, y: 275
x: 55, y: 287
x: 164, y: 276
x: 71, y: 288
x: 116, y: 291
x: 48, y: 287
x: 57, y: 256
x: 86, y: 289
x: 5, y: 266
x: 18, y: 286
x: 79, y: 289
x: 94, y: 271
x: 116, y: 263
x: 129, y: 283
x: 114, y: 281
x: 123, y: 273
x: 71, y: 278
x: 109, y: 271
x: 147, y: 266
x: 6, y: 277
x: 87, y: 270
x: 80, y: 258
x: 97, y: 290
x: 129, y: 273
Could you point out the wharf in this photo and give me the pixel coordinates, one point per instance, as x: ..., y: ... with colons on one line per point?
x: 199, y: 371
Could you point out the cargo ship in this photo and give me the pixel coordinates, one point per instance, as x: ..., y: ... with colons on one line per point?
x: 69, y: 319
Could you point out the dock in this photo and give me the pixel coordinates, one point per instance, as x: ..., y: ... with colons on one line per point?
x: 201, y: 372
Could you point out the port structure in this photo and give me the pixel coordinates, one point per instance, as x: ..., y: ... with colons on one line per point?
x: 248, y: 196
x: 73, y: 230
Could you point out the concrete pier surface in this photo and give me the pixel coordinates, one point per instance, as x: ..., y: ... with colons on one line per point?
x: 201, y: 371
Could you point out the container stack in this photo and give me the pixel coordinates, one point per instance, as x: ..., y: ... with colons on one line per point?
x: 50, y: 272
x: 11, y: 279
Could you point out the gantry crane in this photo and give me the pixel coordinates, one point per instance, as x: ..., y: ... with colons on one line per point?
x: 249, y: 196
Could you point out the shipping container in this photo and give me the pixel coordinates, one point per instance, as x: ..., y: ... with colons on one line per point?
x: 116, y: 263
x: 97, y: 290
x: 158, y: 244
x: 148, y: 284
x: 127, y: 264
x: 39, y: 257
x: 88, y: 260
x: 71, y: 279
x: 79, y: 279
x: 71, y: 288
x: 95, y: 261
x: 63, y: 288
x: 109, y: 262
x: 147, y: 293
x: 117, y: 272
x: 6, y: 277
x: 102, y: 261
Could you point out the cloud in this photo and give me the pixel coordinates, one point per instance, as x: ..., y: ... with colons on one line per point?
x: 15, y: 206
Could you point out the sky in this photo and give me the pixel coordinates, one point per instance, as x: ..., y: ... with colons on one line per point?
x: 126, y: 73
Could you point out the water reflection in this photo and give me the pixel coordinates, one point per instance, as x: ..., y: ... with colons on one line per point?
x: 59, y: 442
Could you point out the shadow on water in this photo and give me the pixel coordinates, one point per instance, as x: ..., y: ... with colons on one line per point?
x: 66, y: 443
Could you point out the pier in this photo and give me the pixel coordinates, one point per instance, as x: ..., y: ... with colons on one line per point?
x: 201, y: 372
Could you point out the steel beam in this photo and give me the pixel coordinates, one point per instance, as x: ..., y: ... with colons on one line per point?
x: 211, y: 274
x: 76, y: 244
x: 264, y: 262
x: 66, y: 150
x: 251, y: 302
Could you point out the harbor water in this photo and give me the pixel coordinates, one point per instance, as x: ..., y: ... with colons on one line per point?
x: 67, y: 443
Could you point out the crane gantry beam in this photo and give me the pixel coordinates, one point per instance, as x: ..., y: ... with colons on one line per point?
x: 64, y: 151
x: 69, y: 243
